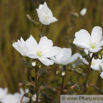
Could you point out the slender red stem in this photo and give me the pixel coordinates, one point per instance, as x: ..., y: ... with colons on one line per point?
x: 88, y: 72
x: 36, y: 84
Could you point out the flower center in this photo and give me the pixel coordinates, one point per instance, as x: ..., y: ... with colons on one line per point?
x: 93, y: 62
x: 46, y: 16
x: 39, y: 53
x: 92, y: 44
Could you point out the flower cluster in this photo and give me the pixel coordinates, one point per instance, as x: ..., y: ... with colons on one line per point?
x: 92, y: 44
x: 44, y: 51
x: 48, y: 54
x: 5, y: 97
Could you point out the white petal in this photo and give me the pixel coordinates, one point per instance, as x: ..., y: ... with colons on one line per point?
x: 52, y: 52
x: 101, y: 75
x: 47, y: 11
x: 21, y: 91
x: 80, y: 43
x: 6, y: 90
x: 45, y: 42
x: 83, y: 36
x: 55, y: 60
x: 74, y: 57
x: 15, y: 45
x: 53, y: 19
x: 65, y: 56
x: 38, y: 13
x: 100, y: 44
x: 22, y: 48
x: 83, y: 11
x: 96, y: 34
x: 40, y: 6
x: 95, y: 67
x: 43, y: 21
x: 22, y: 41
x: 31, y: 43
x: 95, y: 49
x: 32, y: 54
x: 46, y: 61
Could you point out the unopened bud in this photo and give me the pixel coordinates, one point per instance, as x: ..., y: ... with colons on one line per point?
x: 27, y: 83
x: 63, y: 73
x: 57, y: 72
x: 20, y: 84
x: 33, y: 63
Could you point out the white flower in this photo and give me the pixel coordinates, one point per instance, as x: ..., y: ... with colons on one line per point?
x: 34, y: 98
x: 83, y: 11
x: 83, y: 60
x: 65, y: 56
x: 22, y: 92
x: 95, y: 63
x: 92, y: 43
x: 10, y: 99
x: 101, y: 75
x: 3, y: 93
x: 43, y: 50
x: 45, y: 14
x: 20, y: 46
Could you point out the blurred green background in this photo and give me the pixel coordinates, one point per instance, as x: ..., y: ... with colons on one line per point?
x: 14, y: 24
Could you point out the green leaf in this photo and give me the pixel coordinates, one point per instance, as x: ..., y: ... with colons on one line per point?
x: 29, y: 95
x: 27, y: 83
x: 43, y: 87
x: 41, y: 71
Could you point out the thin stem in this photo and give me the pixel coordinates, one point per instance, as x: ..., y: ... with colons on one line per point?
x: 42, y: 28
x: 62, y: 85
x: 36, y: 84
x: 94, y: 86
x: 88, y: 72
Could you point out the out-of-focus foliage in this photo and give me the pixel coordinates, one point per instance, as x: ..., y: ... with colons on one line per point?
x: 14, y: 24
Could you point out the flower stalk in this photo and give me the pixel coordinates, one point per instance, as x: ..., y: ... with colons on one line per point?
x: 36, y: 84
x: 61, y: 92
x: 62, y: 85
x: 88, y: 72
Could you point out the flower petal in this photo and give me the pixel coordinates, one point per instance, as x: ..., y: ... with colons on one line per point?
x: 55, y: 60
x: 65, y: 56
x: 52, y: 52
x: 45, y: 43
x: 100, y: 44
x: 46, y: 61
x: 80, y: 43
x: 15, y: 45
x: 101, y: 75
x: 83, y: 35
x: 31, y: 43
x: 32, y: 54
x: 52, y: 19
x: 74, y: 57
x: 95, y: 49
x: 40, y: 6
x: 96, y: 34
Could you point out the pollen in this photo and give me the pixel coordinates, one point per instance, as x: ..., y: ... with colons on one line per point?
x: 93, y: 44
x: 39, y: 53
